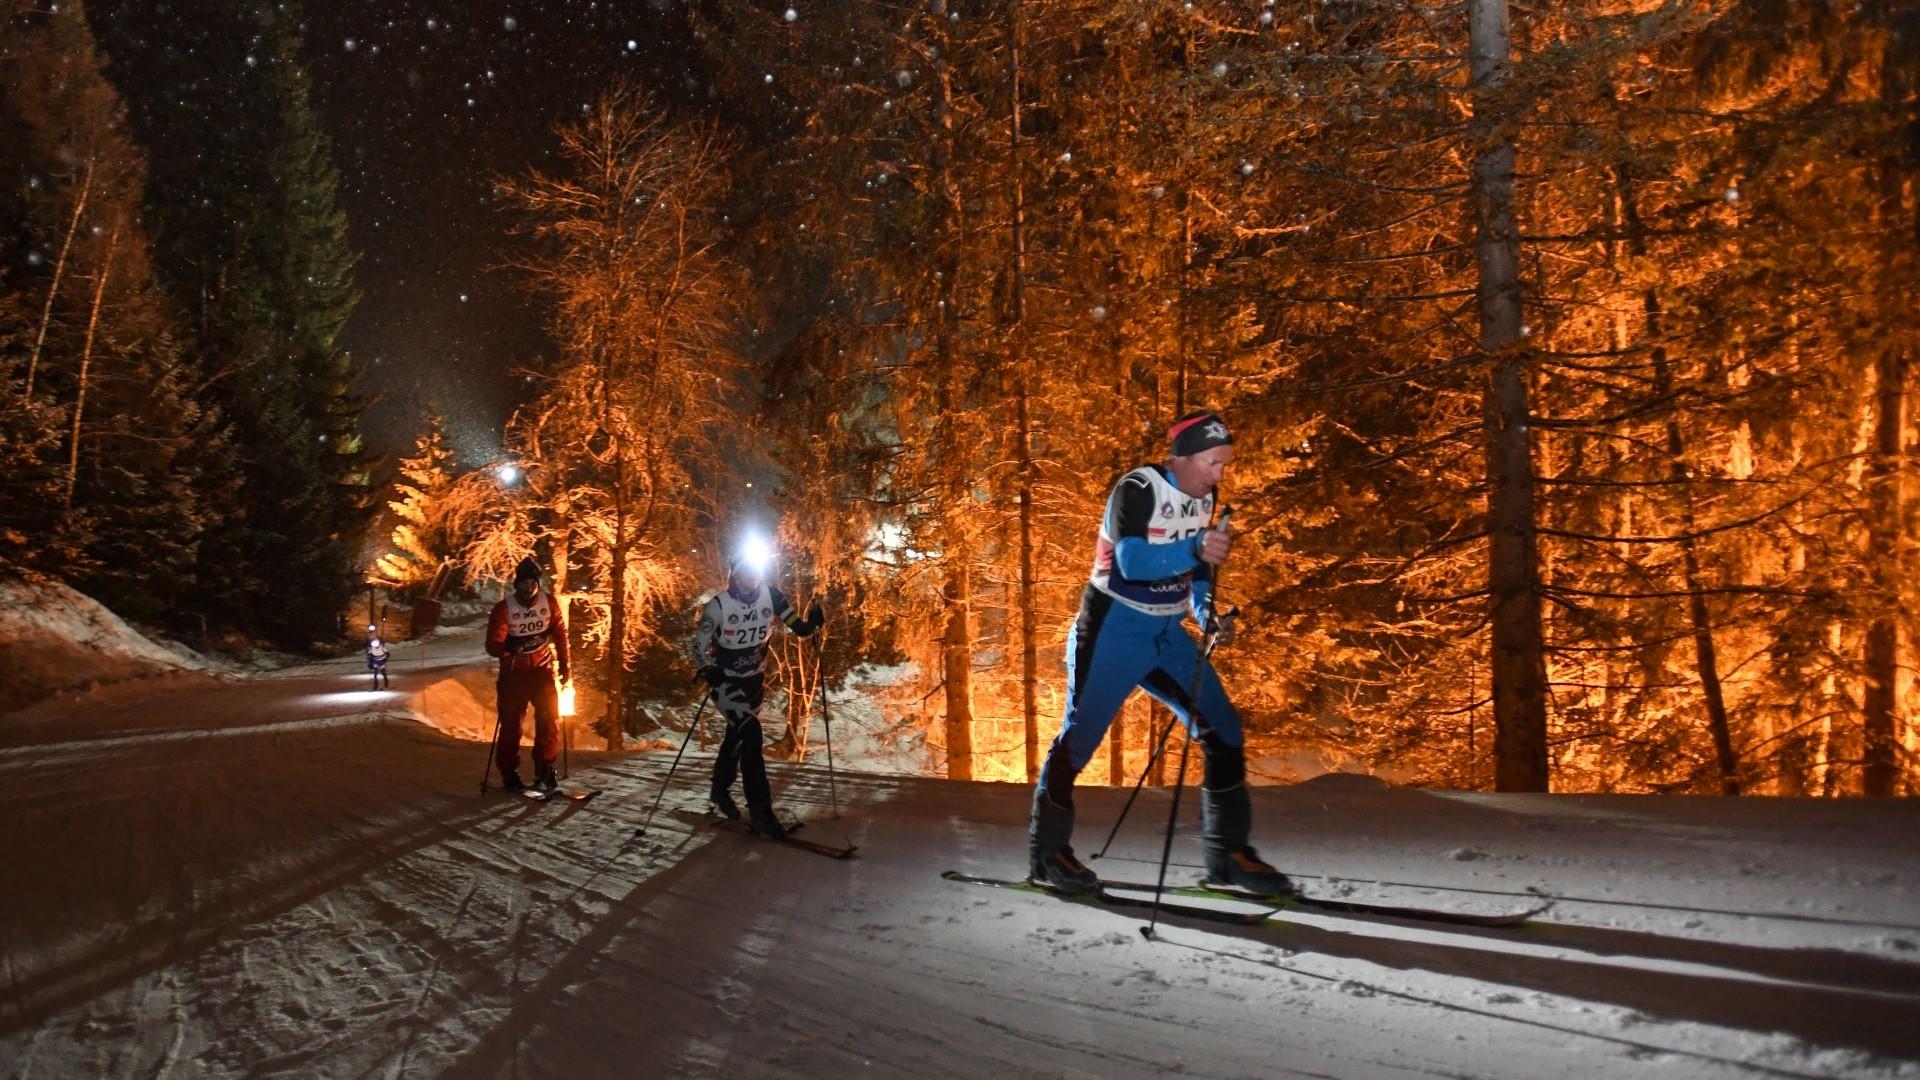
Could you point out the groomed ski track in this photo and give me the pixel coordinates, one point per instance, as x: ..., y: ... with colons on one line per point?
x: 212, y: 879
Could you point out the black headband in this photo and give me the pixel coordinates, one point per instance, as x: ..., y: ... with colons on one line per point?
x: 1196, y: 433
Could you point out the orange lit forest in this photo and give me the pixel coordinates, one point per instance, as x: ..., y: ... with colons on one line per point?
x: 1568, y: 350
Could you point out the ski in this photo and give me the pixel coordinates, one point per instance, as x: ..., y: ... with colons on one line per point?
x: 831, y: 851
x: 1103, y: 898
x: 559, y: 793
x: 1301, y: 901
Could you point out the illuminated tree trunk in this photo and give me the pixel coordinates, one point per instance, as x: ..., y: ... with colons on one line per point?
x: 86, y: 362
x: 1706, y: 656
x: 1881, y: 766
x: 957, y: 641
x: 1519, y: 658
x: 53, y: 287
x: 1023, y: 437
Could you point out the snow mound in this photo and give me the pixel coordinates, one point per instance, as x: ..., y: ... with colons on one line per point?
x: 53, y: 638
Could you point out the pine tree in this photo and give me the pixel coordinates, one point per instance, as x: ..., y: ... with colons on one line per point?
x: 128, y: 515
x: 254, y: 252
x: 425, y: 538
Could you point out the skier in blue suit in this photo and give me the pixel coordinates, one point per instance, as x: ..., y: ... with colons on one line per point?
x: 1153, y: 562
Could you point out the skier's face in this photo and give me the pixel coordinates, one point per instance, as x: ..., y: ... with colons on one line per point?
x: 747, y: 577
x: 526, y: 589
x: 1198, y: 474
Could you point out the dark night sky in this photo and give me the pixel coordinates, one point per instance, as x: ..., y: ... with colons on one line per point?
x: 426, y: 103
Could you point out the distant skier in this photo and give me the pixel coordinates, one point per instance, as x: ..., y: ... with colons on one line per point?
x: 1154, y: 559
x: 529, y: 635
x: 730, y: 649
x: 377, y: 661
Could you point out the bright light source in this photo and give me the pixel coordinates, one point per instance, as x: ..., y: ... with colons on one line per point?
x: 756, y: 554
x: 566, y: 698
x: 509, y: 474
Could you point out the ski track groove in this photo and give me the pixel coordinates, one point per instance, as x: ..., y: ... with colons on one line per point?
x: 356, y: 933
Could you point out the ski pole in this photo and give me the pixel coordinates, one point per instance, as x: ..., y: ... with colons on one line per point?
x: 833, y: 789
x: 1200, y: 663
x: 491, y: 744
x: 691, y: 728
x: 1166, y: 849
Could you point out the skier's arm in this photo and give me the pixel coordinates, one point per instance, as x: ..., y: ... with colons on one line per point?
x: 784, y: 608
x: 703, y: 636
x: 497, y: 630
x: 1137, y: 559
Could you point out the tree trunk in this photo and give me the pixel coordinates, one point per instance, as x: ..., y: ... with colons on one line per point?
x: 1023, y: 437
x: 86, y: 362
x: 957, y: 640
x: 53, y: 287
x: 1881, y: 764
x: 617, y: 611
x: 1706, y: 655
x: 1519, y: 655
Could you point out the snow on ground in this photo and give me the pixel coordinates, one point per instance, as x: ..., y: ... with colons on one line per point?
x: 54, y: 639
x: 290, y: 877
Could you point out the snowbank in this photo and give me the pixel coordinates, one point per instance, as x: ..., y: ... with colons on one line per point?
x: 52, y: 638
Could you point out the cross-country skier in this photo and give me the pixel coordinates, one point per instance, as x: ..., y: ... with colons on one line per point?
x: 730, y: 649
x: 377, y: 660
x: 1154, y: 559
x: 527, y: 632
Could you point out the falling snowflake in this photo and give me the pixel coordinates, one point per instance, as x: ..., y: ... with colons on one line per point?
x: 351, y: 44
x: 510, y: 23
x: 1246, y: 168
x: 1220, y: 69
x: 1099, y: 311
x: 791, y: 15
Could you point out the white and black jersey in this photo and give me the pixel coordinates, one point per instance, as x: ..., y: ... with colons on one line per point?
x: 733, y: 632
x: 1146, y: 508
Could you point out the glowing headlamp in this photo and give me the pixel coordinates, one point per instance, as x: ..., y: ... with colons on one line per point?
x: 755, y: 554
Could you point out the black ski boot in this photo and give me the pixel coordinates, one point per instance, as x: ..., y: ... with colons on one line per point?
x: 1050, y: 858
x: 1226, y: 818
x: 544, y: 779
x: 723, y: 804
x: 510, y: 780
x: 764, y: 823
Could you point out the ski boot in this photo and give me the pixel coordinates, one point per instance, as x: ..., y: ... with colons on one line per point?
x: 1226, y: 818
x: 765, y: 823
x: 1050, y: 859
x: 510, y: 780
x: 544, y: 779
x: 723, y: 803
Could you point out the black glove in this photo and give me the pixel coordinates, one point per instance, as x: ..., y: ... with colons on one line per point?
x: 1221, y: 625
x: 711, y: 673
x: 814, y: 620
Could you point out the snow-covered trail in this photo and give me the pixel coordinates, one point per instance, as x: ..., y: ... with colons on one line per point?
x: 253, y: 885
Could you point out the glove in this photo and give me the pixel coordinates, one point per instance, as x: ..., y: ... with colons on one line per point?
x: 711, y: 673
x: 566, y: 672
x: 814, y: 620
x: 1221, y: 625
